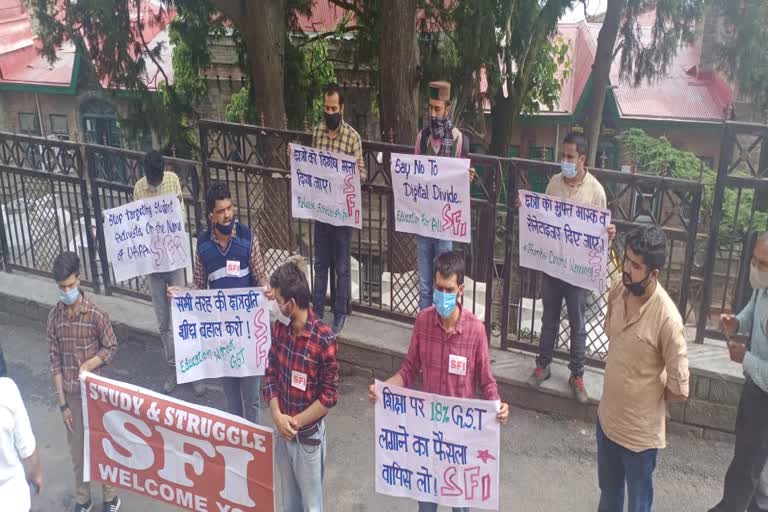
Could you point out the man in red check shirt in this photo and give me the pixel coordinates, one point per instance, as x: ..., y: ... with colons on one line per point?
x: 301, y: 385
x: 447, y: 333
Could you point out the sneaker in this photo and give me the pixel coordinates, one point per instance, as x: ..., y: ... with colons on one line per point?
x: 338, y: 323
x: 198, y: 388
x: 579, y: 391
x: 538, y: 376
x: 85, y: 507
x: 170, y: 382
x: 112, y: 506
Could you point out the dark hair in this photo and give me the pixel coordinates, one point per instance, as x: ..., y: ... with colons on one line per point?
x: 450, y: 263
x: 65, y: 264
x: 331, y: 89
x: 578, y: 139
x: 650, y: 242
x: 3, y: 367
x: 292, y: 283
x: 153, y: 166
x: 217, y: 191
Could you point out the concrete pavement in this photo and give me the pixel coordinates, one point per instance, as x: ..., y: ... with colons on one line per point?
x: 548, y: 463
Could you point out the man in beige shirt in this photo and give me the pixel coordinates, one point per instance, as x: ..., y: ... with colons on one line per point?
x: 575, y: 184
x: 647, y: 367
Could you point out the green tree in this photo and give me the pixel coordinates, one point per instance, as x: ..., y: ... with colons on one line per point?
x: 741, y: 48
x: 657, y: 156
x: 641, y: 58
x: 104, y: 30
x: 515, y: 41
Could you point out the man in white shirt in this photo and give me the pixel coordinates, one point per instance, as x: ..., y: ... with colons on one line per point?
x: 17, y: 444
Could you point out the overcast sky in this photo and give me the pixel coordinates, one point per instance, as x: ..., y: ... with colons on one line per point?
x: 577, y: 14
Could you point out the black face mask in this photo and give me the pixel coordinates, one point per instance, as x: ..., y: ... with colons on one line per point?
x: 636, y: 289
x: 332, y: 121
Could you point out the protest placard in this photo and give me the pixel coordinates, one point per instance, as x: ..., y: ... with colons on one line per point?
x: 564, y: 239
x: 325, y: 186
x: 187, y: 455
x: 146, y: 236
x: 435, y: 448
x: 220, y: 333
x: 432, y: 196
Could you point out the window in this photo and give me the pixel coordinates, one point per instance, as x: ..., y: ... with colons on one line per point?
x: 28, y: 124
x: 60, y: 126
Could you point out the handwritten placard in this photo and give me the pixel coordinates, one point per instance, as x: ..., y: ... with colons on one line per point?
x: 564, y: 239
x: 146, y: 236
x: 432, y: 196
x: 437, y: 449
x: 325, y: 186
x: 220, y: 333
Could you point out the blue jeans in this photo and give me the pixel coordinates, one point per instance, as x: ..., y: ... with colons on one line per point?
x: 243, y: 397
x: 428, y: 506
x: 301, y: 469
x: 427, y: 249
x: 333, y: 246
x: 617, y: 467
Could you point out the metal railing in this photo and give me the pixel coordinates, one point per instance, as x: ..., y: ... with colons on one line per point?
x: 84, y: 180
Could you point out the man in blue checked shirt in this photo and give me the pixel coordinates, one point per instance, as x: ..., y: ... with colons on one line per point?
x: 751, y: 448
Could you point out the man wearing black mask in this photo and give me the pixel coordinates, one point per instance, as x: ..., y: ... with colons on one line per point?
x: 333, y: 244
x: 647, y: 367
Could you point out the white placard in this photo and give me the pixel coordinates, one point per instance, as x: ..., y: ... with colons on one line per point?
x: 146, y: 236
x: 432, y: 196
x: 325, y: 186
x: 564, y: 239
x: 435, y: 448
x: 220, y: 333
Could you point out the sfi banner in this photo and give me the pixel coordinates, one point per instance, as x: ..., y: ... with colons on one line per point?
x: 190, y: 456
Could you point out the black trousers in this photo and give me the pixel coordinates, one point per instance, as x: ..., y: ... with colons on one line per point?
x: 750, y: 452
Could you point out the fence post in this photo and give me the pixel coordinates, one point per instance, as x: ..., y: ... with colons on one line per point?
x: 98, y: 213
x: 3, y: 244
x: 726, y: 155
x: 92, y: 242
x: 690, y: 250
x: 508, y: 241
x: 493, y: 199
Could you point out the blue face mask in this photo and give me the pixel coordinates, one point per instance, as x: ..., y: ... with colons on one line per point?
x: 444, y: 302
x: 69, y: 298
x: 569, y: 169
x: 225, y: 229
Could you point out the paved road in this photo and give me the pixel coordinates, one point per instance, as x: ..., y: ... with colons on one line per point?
x: 548, y: 463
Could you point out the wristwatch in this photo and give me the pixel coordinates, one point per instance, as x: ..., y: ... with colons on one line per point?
x: 64, y: 407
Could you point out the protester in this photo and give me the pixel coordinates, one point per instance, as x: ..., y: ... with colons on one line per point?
x: 647, y: 367
x: 229, y: 256
x: 575, y: 184
x: 741, y: 489
x: 333, y: 244
x: 157, y: 182
x: 301, y: 386
x: 443, y: 332
x: 440, y: 138
x: 80, y: 339
x: 17, y: 448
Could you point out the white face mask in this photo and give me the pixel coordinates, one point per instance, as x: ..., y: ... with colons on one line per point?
x: 758, y: 279
x: 569, y: 169
x: 277, y: 314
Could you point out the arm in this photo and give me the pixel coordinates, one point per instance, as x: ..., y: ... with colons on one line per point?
x: 412, y: 363
x: 328, y: 391
x: 270, y: 375
x: 24, y: 438
x: 745, y: 317
x: 417, y: 144
x: 177, y: 190
x: 107, y: 344
x: 136, y: 191
x: 675, y: 354
x: 483, y: 373
x: 256, y: 263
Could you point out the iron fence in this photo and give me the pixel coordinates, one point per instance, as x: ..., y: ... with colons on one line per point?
x: 253, y: 161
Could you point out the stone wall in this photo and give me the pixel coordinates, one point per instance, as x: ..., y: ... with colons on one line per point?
x: 710, y: 411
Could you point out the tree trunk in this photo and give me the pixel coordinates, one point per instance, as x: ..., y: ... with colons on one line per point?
x: 601, y: 74
x: 398, y: 70
x: 263, y: 26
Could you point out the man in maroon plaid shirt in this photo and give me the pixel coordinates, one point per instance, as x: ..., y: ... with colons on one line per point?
x: 301, y: 385
x: 449, y: 348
